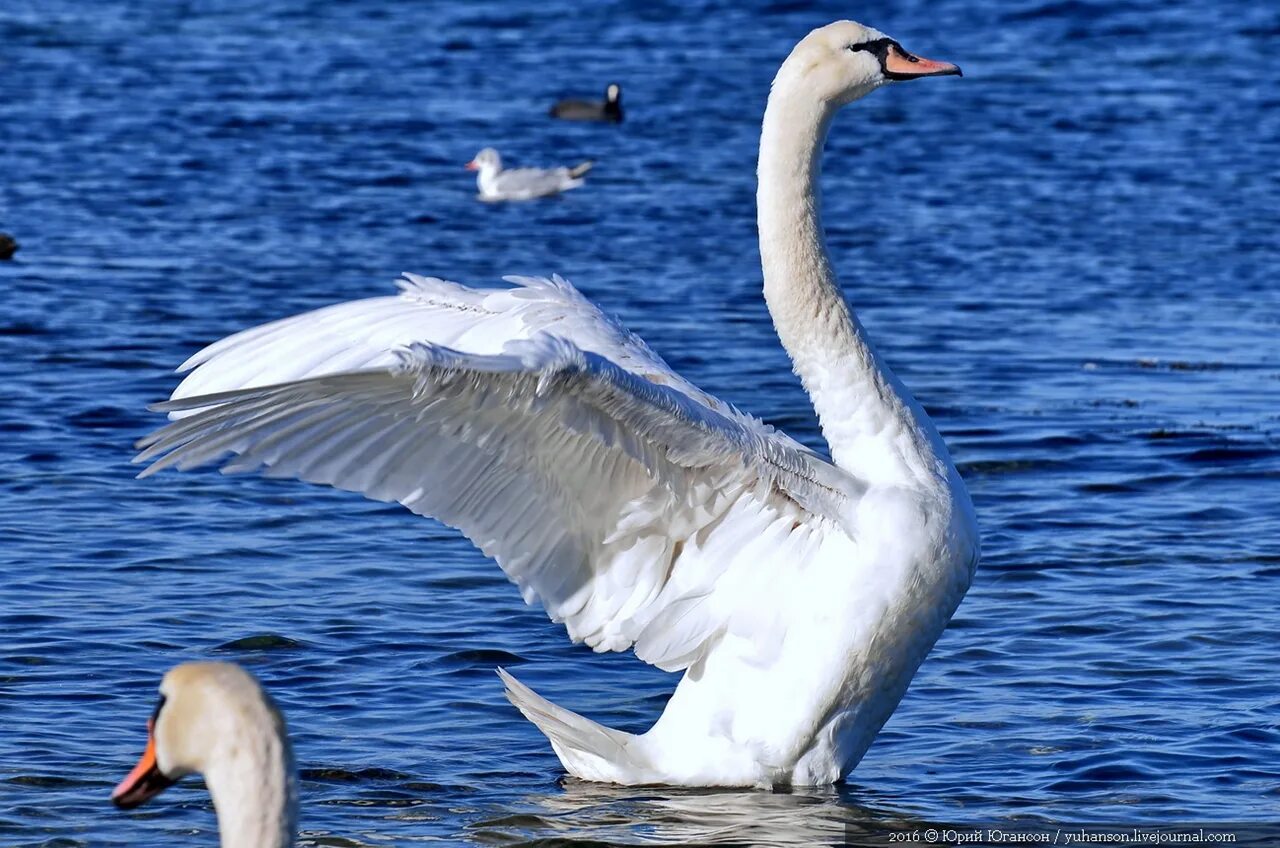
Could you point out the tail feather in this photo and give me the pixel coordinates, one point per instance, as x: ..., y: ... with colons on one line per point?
x: 586, y: 749
x: 581, y: 169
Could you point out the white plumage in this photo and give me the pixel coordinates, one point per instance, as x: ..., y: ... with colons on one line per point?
x: 496, y: 183
x: 505, y: 445
x: 641, y: 512
x: 216, y: 720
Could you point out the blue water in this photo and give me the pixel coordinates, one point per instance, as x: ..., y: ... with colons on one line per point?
x: 1069, y: 255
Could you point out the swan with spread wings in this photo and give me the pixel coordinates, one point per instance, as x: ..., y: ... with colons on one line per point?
x: 797, y: 595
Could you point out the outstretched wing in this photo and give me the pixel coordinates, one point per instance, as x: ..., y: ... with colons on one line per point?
x: 631, y: 506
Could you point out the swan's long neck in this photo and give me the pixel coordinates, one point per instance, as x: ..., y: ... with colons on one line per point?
x: 254, y: 791
x: 874, y: 429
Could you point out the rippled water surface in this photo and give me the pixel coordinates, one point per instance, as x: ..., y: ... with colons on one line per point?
x: 1069, y: 255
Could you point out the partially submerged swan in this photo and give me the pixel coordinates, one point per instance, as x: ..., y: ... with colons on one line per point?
x: 495, y: 183
x: 592, y: 110
x: 799, y: 595
x: 214, y: 719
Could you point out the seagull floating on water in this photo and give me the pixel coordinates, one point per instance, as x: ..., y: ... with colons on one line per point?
x: 798, y: 595
x: 496, y: 184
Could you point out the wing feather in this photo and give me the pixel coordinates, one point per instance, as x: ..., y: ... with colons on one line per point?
x: 609, y: 489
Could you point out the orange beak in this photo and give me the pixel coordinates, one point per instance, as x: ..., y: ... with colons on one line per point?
x: 901, y: 65
x: 145, y: 781
x: 472, y: 166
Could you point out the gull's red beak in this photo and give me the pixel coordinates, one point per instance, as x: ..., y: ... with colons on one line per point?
x: 901, y: 65
x: 472, y: 166
x: 146, y: 781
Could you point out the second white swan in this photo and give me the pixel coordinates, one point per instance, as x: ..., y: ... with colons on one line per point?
x: 215, y: 719
x: 798, y: 595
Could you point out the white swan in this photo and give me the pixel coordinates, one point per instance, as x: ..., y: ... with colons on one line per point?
x: 496, y: 183
x: 214, y: 719
x: 798, y: 595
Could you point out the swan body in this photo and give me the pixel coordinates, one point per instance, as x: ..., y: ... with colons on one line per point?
x: 591, y: 110
x: 214, y: 719
x: 798, y: 595
x: 496, y: 183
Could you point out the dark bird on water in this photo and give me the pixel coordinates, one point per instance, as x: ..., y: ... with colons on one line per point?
x: 8, y: 246
x: 592, y: 110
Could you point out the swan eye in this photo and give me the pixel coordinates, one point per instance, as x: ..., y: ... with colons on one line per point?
x: 155, y: 714
x: 876, y: 47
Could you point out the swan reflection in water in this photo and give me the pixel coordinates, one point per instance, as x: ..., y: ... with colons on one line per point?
x: 581, y: 812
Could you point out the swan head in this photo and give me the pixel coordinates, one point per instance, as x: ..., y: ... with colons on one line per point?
x: 208, y: 714
x: 613, y: 93
x: 842, y: 61
x: 487, y: 161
